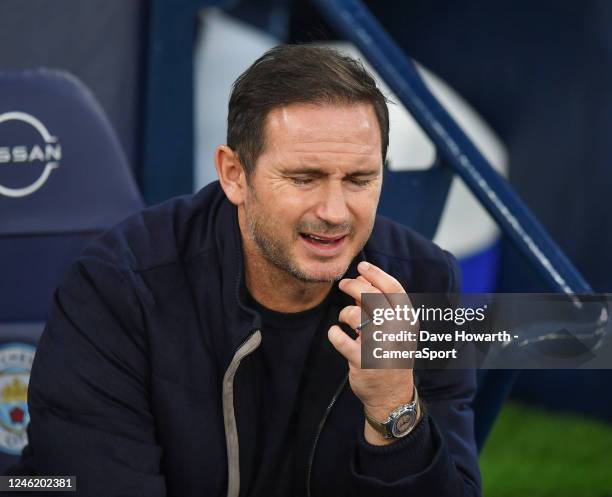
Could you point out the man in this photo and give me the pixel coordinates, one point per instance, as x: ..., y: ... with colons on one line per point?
x: 195, y: 350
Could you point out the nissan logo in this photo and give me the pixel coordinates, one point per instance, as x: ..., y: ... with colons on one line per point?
x: 47, y: 152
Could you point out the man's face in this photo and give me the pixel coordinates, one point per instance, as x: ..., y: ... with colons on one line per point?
x: 313, y: 195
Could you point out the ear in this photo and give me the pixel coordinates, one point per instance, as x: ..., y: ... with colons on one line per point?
x: 231, y: 174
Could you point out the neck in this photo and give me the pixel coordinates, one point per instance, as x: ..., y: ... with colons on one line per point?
x: 273, y: 287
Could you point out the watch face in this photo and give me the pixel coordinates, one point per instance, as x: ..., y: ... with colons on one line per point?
x: 404, y: 423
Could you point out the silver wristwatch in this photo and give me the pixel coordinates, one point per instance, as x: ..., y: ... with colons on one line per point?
x: 400, y: 422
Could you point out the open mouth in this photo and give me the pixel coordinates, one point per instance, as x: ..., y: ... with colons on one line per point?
x: 323, y: 241
x: 328, y: 240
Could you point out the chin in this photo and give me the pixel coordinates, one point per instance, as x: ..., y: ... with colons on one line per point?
x: 327, y: 274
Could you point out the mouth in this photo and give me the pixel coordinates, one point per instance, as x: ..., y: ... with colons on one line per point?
x: 324, y: 245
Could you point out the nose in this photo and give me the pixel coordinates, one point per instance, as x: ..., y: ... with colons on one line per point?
x: 332, y: 206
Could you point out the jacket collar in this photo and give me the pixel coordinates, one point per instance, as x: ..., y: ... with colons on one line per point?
x: 239, y: 320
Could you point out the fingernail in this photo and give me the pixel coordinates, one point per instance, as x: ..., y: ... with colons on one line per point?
x: 364, y: 266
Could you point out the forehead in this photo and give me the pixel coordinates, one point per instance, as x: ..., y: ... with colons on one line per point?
x: 302, y: 126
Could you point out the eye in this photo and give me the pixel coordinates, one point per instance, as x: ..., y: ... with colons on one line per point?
x: 301, y: 181
x: 360, y: 182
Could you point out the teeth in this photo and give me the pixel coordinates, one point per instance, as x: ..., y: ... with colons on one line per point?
x: 321, y: 240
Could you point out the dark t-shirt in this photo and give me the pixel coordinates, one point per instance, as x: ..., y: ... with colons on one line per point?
x: 285, y: 345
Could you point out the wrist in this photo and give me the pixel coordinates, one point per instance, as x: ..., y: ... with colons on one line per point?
x: 373, y: 437
x: 388, y: 425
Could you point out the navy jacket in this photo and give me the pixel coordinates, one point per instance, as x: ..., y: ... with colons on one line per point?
x: 146, y: 380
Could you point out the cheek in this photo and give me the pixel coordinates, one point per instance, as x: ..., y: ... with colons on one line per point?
x: 277, y: 208
x: 364, y: 210
x: 291, y: 209
x: 285, y: 218
x: 284, y: 200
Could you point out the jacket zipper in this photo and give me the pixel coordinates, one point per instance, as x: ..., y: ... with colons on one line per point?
x: 318, y: 433
x: 229, y: 416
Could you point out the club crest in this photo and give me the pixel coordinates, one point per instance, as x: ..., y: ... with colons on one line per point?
x: 15, y: 364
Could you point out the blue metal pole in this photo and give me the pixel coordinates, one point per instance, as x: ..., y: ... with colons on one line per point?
x: 357, y: 24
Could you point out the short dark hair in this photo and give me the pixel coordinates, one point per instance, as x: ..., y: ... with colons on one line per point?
x: 289, y: 74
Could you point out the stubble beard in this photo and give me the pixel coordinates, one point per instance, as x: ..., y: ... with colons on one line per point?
x: 273, y: 251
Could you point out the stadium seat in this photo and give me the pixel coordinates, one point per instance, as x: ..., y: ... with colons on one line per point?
x: 63, y: 180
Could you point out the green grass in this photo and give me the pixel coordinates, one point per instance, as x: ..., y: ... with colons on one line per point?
x: 535, y: 453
